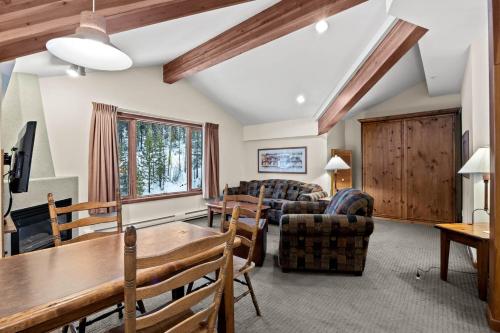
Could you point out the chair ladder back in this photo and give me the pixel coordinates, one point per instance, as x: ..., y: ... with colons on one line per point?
x: 192, y: 249
x: 204, y: 318
x: 56, y: 233
x: 248, y: 198
x: 57, y: 228
x: 118, y: 200
x: 224, y: 207
x: 255, y: 227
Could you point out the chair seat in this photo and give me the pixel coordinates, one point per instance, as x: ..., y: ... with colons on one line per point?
x: 238, y: 264
x: 162, y: 326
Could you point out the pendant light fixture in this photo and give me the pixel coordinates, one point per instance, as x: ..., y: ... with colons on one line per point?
x: 90, y: 47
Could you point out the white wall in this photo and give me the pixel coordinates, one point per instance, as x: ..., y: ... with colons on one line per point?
x: 475, y: 118
x: 67, y: 103
x: 415, y: 99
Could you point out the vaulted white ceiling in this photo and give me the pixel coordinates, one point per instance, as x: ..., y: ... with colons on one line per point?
x: 453, y: 25
x: 262, y: 85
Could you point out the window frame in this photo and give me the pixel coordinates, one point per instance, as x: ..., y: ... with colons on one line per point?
x: 132, y: 119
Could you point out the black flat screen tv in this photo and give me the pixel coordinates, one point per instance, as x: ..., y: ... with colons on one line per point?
x: 22, y: 154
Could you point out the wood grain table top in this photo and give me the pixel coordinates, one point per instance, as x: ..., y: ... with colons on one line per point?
x: 40, y: 285
x: 477, y: 230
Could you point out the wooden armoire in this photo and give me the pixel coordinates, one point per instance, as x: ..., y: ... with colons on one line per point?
x: 410, y: 165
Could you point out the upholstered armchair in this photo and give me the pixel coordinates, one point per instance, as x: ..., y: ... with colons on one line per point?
x: 327, y: 236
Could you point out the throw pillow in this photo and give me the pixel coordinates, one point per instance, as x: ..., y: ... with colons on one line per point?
x: 280, y: 191
x: 305, y: 189
x: 293, y: 192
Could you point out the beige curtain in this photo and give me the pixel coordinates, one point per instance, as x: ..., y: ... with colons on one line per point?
x: 103, y: 153
x: 211, y: 160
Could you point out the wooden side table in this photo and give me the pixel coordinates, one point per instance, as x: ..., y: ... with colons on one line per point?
x: 216, y: 207
x: 476, y: 236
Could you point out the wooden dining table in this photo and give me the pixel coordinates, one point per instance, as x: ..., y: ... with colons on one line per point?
x: 46, y: 289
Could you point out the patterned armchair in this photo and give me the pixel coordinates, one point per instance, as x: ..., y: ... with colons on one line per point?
x: 326, y: 236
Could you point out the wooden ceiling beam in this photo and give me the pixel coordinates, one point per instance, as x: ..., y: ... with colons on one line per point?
x: 274, y: 22
x: 26, y: 26
x: 398, y: 41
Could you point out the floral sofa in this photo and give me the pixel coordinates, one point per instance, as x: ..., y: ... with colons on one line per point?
x: 326, y: 236
x: 278, y: 192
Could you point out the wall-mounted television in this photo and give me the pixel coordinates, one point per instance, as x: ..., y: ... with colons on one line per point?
x: 21, y: 158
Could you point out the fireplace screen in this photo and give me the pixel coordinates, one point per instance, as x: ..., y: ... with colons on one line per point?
x: 33, y: 228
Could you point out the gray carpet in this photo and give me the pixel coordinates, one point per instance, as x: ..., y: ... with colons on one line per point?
x: 387, y: 298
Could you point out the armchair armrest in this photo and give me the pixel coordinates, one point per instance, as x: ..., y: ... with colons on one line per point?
x: 313, y: 196
x: 304, y: 207
x: 326, y: 224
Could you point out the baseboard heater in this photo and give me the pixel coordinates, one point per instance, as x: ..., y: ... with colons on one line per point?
x: 181, y: 217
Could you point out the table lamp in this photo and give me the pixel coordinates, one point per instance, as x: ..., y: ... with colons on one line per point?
x: 479, y: 163
x: 335, y: 163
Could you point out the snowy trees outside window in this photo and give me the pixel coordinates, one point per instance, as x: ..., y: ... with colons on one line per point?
x: 158, y: 158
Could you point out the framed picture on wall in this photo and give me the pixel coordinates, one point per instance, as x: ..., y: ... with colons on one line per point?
x: 282, y: 160
x: 465, y: 150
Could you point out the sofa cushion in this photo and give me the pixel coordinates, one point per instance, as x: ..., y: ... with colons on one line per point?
x: 277, y: 203
x: 253, y: 188
x: 293, y: 191
x: 280, y: 190
x: 313, y: 196
x: 268, y: 189
x: 243, y: 187
x: 268, y: 202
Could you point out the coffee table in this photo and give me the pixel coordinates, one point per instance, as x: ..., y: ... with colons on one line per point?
x: 216, y: 207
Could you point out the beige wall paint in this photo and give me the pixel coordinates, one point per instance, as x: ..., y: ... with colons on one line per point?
x: 475, y: 118
x: 23, y: 103
x: 67, y: 104
x: 336, y: 137
x: 415, y: 99
x: 316, y: 159
x: 281, y: 129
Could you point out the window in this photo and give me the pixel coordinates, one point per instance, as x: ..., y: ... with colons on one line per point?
x: 158, y: 158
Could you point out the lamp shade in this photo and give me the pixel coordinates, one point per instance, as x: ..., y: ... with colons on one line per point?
x: 90, y: 47
x: 336, y: 163
x: 478, y: 163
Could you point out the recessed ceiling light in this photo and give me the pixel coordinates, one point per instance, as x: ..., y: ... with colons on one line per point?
x: 321, y: 26
x: 301, y: 99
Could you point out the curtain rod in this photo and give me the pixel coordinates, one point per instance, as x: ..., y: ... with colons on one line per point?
x: 145, y: 114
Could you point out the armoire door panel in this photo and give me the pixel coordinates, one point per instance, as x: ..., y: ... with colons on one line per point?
x: 382, y: 166
x: 430, y: 168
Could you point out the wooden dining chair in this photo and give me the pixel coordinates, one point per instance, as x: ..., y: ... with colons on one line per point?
x: 248, y: 224
x: 177, y: 316
x: 242, y: 199
x: 57, y: 228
